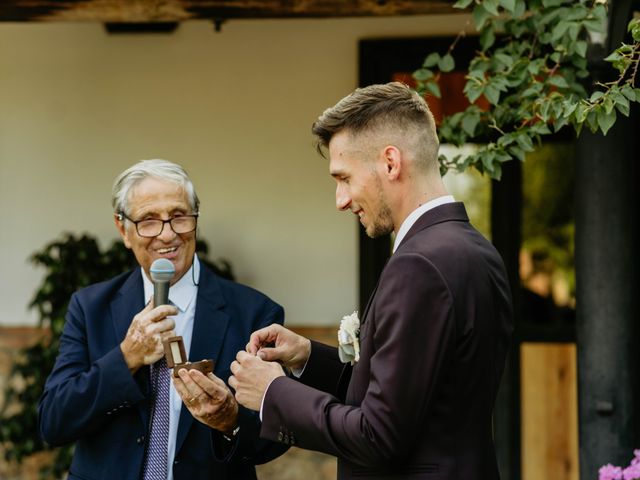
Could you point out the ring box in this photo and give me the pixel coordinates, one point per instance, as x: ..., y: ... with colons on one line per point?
x: 177, y: 358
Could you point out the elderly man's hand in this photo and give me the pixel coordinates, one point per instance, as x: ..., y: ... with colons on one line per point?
x: 276, y: 343
x: 251, y: 377
x: 143, y: 343
x: 208, y: 399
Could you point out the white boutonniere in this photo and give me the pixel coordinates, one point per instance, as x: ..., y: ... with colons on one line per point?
x: 348, y: 335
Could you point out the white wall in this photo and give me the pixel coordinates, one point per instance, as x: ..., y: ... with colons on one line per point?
x: 78, y: 106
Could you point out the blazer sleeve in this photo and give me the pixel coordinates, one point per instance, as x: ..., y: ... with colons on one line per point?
x: 80, y: 394
x: 247, y: 447
x: 413, y: 330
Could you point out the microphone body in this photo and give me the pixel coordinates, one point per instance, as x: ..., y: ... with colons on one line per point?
x: 162, y: 272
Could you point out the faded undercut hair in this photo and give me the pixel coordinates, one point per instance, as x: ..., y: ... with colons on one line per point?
x: 390, y: 110
x: 160, y: 169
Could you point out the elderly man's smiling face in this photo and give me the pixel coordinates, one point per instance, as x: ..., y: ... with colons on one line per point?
x: 154, y: 198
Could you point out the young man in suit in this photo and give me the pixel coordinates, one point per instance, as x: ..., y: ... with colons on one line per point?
x: 433, y: 339
x: 110, y: 390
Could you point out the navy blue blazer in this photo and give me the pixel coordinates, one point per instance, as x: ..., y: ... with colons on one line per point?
x: 92, y: 399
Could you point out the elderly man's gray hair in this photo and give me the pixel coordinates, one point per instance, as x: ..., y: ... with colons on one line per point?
x: 156, y: 168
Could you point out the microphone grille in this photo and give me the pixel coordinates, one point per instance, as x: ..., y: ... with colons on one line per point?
x: 162, y: 270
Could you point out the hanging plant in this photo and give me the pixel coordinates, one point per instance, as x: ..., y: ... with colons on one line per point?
x: 531, y: 68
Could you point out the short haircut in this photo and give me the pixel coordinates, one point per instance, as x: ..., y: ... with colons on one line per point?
x: 160, y: 169
x: 391, y: 108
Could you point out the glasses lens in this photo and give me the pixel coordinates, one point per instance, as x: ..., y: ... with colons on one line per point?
x: 183, y: 224
x: 149, y: 228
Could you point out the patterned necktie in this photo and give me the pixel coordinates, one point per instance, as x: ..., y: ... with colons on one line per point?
x: 155, y: 465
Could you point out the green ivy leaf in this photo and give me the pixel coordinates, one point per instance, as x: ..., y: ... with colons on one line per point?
x: 473, y: 90
x: 504, y: 59
x: 492, y: 94
x: 581, y: 48
x: 462, y: 3
x: 446, y: 63
x: 434, y: 89
x: 525, y: 143
x: 521, y: 8
x: 509, y: 5
x: 613, y: 57
x: 634, y: 28
x: 431, y: 60
x: 487, y: 38
x: 559, y: 30
x: 470, y: 122
x: 627, y: 91
x: 422, y: 74
x: 491, y: 6
x: 480, y: 16
x: 606, y: 120
x: 592, y: 120
x: 558, y: 81
x: 596, y: 96
x: 559, y: 123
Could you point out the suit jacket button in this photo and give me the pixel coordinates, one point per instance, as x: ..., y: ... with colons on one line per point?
x: 280, y: 436
x: 286, y: 438
x: 140, y: 439
x: 292, y: 439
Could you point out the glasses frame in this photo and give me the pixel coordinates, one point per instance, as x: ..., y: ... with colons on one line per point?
x: 122, y: 216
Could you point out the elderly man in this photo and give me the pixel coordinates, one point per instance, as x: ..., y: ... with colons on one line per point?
x: 110, y: 388
x: 418, y: 401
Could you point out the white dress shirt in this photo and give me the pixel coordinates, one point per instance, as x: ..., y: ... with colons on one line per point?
x: 183, y: 295
x: 416, y: 214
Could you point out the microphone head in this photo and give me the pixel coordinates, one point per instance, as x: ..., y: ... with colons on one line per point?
x: 162, y: 270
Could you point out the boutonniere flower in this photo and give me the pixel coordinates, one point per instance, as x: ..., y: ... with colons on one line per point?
x: 348, y: 335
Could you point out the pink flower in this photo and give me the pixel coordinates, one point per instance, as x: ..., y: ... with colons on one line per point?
x: 632, y: 472
x: 610, y: 472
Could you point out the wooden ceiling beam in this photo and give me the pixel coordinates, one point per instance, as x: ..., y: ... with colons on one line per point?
x: 152, y: 11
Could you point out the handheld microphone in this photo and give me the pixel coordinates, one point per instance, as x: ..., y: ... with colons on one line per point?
x: 162, y: 271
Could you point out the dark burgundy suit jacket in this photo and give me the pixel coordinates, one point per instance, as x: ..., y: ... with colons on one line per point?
x: 433, y: 340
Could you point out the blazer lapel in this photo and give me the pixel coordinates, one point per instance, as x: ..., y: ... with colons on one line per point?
x: 126, y: 304
x: 209, y: 328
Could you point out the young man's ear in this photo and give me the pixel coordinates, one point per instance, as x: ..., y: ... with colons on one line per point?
x: 392, y: 162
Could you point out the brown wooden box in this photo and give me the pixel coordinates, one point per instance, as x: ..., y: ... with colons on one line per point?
x: 177, y: 357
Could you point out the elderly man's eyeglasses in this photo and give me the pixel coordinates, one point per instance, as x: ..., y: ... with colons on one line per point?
x: 153, y: 227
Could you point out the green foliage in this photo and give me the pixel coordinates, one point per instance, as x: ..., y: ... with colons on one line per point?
x: 530, y: 68
x: 71, y: 263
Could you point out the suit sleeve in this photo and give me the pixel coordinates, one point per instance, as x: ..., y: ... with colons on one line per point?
x: 247, y: 446
x: 80, y: 395
x: 323, y: 369
x: 412, y: 325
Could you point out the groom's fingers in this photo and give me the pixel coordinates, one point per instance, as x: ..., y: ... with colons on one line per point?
x: 269, y: 354
x: 262, y: 337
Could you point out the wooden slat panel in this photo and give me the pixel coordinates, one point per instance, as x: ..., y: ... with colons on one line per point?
x: 549, y: 411
x: 179, y: 10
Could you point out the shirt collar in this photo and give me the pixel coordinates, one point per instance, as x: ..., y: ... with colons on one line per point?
x: 182, y: 293
x: 416, y: 214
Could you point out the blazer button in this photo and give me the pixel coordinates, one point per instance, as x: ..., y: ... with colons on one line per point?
x: 140, y: 439
x: 286, y: 438
x: 280, y: 436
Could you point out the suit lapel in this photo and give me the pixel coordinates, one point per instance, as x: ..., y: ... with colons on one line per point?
x: 126, y: 304
x: 209, y: 328
x: 443, y: 213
